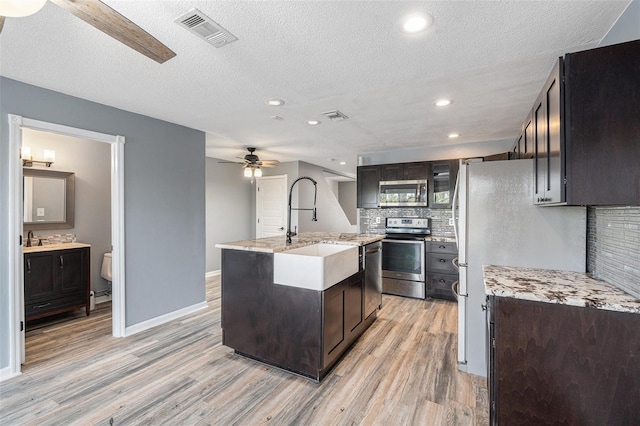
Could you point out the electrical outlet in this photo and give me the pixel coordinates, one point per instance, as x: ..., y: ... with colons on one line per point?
x: 377, y: 220
x: 450, y: 221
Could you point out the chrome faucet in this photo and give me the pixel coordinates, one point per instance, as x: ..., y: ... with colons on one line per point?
x: 313, y: 216
x: 29, y: 237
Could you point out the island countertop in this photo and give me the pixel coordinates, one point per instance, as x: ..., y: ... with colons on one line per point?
x: 279, y: 243
x: 561, y: 287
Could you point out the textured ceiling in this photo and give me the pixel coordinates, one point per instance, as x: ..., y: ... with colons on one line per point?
x: 490, y: 57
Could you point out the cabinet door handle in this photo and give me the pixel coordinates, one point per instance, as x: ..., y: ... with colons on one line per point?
x: 442, y: 281
x: 44, y: 305
x: 442, y: 261
x: 61, y: 261
x: 442, y: 247
x: 28, y: 266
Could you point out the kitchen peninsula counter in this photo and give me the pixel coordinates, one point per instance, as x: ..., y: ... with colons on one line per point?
x: 563, y: 348
x: 560, y: 287
x: 279, y: 243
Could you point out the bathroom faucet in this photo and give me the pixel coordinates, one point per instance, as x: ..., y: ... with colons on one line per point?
x: 313, y: 216
x: 29, y: 236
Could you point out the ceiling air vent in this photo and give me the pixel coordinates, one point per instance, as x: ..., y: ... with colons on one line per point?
x: 335, y: 115
x: 205, y: 28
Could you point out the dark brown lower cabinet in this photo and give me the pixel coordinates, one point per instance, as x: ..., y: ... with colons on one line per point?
x: 553, y: 364
x: 56, y: 281
x: 299, y: 330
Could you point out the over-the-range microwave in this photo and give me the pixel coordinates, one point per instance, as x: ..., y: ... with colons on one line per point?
x: 404, y: 193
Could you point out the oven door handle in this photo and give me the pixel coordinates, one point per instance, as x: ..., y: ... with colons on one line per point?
x: 393, y: 240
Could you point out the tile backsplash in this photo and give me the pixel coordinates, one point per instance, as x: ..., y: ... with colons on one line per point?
x: 613, y: 246
x: 49, y: 239
x: 440, y: 227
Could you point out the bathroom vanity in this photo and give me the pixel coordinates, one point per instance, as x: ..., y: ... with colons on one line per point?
x: 299, y: 306
x: 56, y: 279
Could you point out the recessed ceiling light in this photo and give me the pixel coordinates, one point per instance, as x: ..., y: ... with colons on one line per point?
x: 453, y: 135
x: 342, y: 163
x: 313, y: 122
x: 274, y: 102
x: 416, y: 23
x: 443, y: 102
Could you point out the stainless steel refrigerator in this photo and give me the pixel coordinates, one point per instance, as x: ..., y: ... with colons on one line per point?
x: 498, y: 224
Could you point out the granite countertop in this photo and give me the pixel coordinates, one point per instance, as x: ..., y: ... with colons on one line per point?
x: 562, y: 287
x: 279, y: 243
x: 51, y: 247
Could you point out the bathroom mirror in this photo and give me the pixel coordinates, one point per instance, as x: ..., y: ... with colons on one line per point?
x: 49, y: 199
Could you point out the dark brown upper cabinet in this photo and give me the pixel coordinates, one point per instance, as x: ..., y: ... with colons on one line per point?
x: 442, y: 183
x: 405, y: 171
x: 585, y: 129
x: 368, y: 187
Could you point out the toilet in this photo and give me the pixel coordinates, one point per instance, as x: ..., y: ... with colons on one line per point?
x: 105, y: 272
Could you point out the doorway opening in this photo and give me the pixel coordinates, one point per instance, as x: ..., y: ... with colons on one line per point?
x: 16, y: 273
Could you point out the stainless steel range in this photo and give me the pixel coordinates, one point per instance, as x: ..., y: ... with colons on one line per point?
x: 403, y: 265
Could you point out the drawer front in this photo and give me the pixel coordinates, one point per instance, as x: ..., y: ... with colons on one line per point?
x: 439, y: 247
x: 439, y: 285
x: 441, y: 262
x: 36, y: 309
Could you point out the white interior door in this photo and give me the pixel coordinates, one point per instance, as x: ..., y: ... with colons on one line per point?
x: 271, y: 206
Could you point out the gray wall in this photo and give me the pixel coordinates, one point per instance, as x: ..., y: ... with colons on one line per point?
x: 331, y: 217
x: 347, y: 197
x: 228, y: 208
x: 164, y: 191
x: 626, y: 28
x: 91, y: 163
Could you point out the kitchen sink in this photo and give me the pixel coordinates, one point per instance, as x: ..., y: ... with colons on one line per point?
x: 315, y: 267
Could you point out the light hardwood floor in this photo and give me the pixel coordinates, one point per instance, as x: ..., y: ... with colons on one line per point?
x: 402, y: 371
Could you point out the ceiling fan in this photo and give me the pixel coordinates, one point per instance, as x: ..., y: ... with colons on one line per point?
x: 102, y: 17
x: 251, y: 163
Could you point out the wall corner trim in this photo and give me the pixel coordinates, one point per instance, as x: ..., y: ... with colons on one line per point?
x: 163, y: 319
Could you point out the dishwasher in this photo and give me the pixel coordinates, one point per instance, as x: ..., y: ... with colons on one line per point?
x: 371, y: 263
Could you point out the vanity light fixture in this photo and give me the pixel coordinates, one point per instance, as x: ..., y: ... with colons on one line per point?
x: 416, y: 23
x: 443, y: 102
x: 274, y: 102
x: 27, y: 159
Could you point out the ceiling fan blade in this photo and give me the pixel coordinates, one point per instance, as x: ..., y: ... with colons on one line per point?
x: 267, y: 162
x: 230, y: 162
x: 1, y: 23
x: 269, y: 165
x: 112, y: 23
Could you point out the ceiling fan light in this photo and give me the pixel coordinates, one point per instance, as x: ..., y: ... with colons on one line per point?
x: 247, y: 172
x: 257, y: 172
x: 20, y: 8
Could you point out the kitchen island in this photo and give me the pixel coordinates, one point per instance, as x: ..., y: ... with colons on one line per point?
x: 564, y: 348
x: 297, y: 327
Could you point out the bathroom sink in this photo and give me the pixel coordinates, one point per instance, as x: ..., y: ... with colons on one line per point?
x: 315, y: 267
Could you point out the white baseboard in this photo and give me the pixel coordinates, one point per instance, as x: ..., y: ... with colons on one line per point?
x: 162, y: 319
x: 213, y: 273
x: 103, y: 299
x: 6, y: 374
